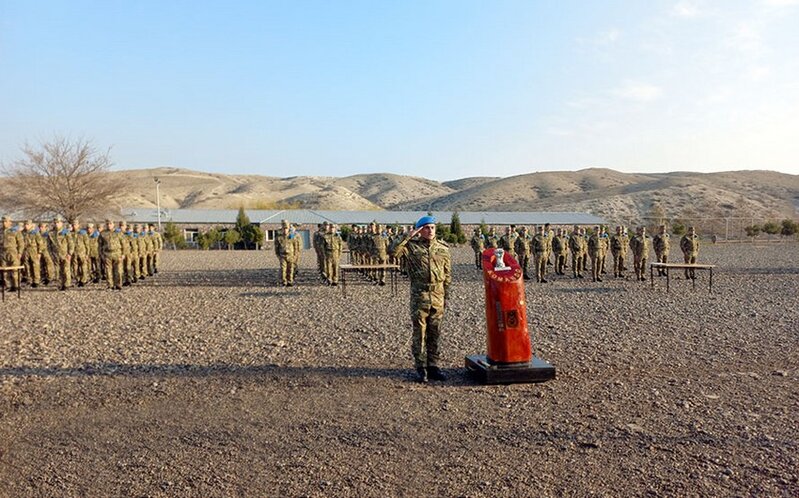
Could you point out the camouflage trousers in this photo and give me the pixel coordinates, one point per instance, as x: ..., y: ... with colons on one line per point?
x: 639, y: 265
x: 540, y: 262
x: 113, y: 271
x: 331, y: 268
x: 286, y: 270
x: 11, y: 277
x: 597, y: 263
x: 80, y: 268
x: 426, y: 322
x: 690, y: 259
x: 578, y: 264
x: 524, y: 263
x: 131, y: 270
x: 49, y: 269
x: 662, y: 257
x: 478, y: 259
x: 560, y: 263
x: 64, y: 272
x: 94, y: 268
x: 33, y: 268
x: 618, y: 264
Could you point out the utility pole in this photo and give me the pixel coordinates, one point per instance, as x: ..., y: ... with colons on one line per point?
x: 158, y: 201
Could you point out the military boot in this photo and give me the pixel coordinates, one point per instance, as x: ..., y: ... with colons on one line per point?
x: 435, y: 373
x: 421, y: 372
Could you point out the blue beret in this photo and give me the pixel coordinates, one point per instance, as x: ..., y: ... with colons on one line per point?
x: 425, y: 220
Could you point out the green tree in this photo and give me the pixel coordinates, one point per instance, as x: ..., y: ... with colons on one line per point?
x: 345, y: 232
x: 456, y: 229
x: 207, y: 239
x: 483, y: 227
x: 678, y: 228
x: 173, y: 236
x: 752, y: 231
x: 789, y: 227
x: 232, y: 237
x: 771, y: 228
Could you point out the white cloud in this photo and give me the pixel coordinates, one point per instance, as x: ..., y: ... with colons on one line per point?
x: 759, y: 73
x: 638, y: 91
x: 687, y: 10
x: 781, y: 3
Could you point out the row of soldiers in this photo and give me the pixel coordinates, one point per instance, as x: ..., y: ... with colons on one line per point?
x: 370, y: 246
x: 120, y: 255
x: 547, y: 244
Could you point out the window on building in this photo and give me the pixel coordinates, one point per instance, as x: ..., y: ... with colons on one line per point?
x: 190, y: 235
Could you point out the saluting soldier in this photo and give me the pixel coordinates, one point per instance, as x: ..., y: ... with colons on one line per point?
x: 430, y: 272
x: 110, y: 246
x: 61, y: 247
x: 662, y: 244
x: 523, y: 248
x: 640, y: 248
x: 478, y: 243
x: 689, y: 244
x: 618, y: 248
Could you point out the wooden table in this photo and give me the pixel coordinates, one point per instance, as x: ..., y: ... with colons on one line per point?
x: 680, y: 266
x: 392, y: 270
x: 3, y: 270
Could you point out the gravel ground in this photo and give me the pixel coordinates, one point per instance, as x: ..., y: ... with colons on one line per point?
x: 210, y: 380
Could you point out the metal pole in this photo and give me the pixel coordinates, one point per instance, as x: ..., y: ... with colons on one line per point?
x: 158, y: 201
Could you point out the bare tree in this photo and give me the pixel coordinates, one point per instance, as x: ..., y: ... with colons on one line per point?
x: 62, y: 176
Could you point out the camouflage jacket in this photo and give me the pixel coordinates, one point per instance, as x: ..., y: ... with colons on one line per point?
x: 522, y: 245
x: 478, y: 243
x: 110, y: 244
x: 332, y: 244
x: 577, y: 244
x: 640, y: 245
x: 60, y: 243
x: 12, y: 242
x: 541, y: 243
x: 94, y: 244
x: 595, y: 245
x: 284, y: 246
x: 379, y: 246
x: 429, y: 269
x: 560, y: 244
x: 508, y: 242
x: 80, y: 242
x: 661, y: 243
x: 619, y: 244
x: 689, y: 244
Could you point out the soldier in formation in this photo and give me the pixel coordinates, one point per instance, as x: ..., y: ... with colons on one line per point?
x: 619, y: 243
x: 578, y: 246
x: 430, y: 272
x: 285, y: 248
x: 541, y: 247
x: 523, y: 249
x: 508, y: 241
x: 13, y: 245
x: 662, y: 244
x: 478, y: 243
x: 639, y: 245
x: 332, y: 246
x: 560, y: 250
x: 689, y: 244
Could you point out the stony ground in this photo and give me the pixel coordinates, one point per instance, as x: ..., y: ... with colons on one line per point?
x: 209, y: 380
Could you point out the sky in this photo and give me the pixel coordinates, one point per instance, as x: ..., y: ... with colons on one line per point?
x: 442, y: 89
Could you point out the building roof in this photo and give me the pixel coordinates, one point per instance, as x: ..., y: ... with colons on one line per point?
x: 313, y: 217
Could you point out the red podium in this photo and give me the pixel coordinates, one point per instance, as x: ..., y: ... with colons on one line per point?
x: 509, y: 357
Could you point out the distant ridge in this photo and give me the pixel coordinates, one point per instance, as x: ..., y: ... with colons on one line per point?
x: 612, y: 195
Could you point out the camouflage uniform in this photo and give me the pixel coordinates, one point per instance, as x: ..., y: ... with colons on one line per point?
x: 61, y: 247
x: 317, y: 242
x: 126, y: 243
x: 478, y: 243
x: 492, y: 241
x: 662, y: 244
x: 618, y: 248
x: 508, y: 242
x: 284, y: 250
x: 578, y: 247
x: 430, y: 272
x: 94, y: 254
x: 541, y: 244
x: 689, y: 244
x: 560, y: 248
x: 12, y: 245
x: 49, y: 273
x: 331, y: 247
x: 158, y: 245
x: 640, y: 248
x: 522, y: 247
x: 80, y: 256
x: 32, y: 256
x: 379, y: 246
x: 596, y: 250
x: 110, y: 245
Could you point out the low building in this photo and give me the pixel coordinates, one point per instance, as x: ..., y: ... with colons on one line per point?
x: 194, y: 221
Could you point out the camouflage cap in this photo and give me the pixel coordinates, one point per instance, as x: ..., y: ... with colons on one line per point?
x: 58, y: 219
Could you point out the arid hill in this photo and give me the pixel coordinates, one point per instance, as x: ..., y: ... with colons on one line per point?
x: 613, y: 195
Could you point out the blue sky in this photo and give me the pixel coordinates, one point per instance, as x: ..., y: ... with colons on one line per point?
x: 440, y: 89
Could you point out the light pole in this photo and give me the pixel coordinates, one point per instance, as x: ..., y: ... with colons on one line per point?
x: 158, y: 201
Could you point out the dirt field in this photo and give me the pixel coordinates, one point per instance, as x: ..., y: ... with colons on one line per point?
x: 209, y: 380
